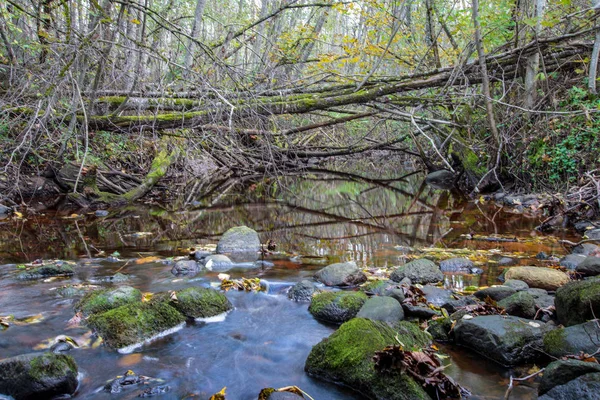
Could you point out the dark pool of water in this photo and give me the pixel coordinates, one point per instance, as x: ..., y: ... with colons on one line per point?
x: 265, y: 340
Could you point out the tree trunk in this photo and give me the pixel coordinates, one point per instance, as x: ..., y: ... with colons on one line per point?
x: 533, y: 61
x: 196, y: 28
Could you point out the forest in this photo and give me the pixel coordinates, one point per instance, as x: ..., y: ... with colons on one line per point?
x: 103, y: 100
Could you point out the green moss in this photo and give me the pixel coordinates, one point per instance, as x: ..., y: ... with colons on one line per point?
x: 336, y: 306
x: 49, y: 365
x: 103, y: 300
x: 555, y: 342
x: 577, y: 302
x: 372, y: 286
x: 134, y: 323
x: 346, y: 357
x: 440, y: 328
x: 198, y: 302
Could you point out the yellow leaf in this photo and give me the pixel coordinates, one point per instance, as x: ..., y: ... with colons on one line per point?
x: 220, y: 395
x: 147, y: 260
x: 135, y: 21
x: 18, y: 214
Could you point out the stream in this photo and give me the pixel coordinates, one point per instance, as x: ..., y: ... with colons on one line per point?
x: 265, y: 340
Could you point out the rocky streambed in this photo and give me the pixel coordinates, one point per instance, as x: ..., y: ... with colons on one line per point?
x: 248, y: 313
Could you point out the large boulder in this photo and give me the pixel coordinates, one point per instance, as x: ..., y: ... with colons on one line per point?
x: 442, y: 179
x: 336, y: 307
x: 384, y: 309
x: 302, y: 291
x: 135, y: 323
x: 341, y: 274
x: 38, y: 376
x: 577, y: 302
x: 46, y: 271
x: 495, y: 293
x: 538, y: 277
x: 239, y: 239
x: 562, y: 371
x: 520, y: 304
x: 507, y: 340
x: 571, y: 261
x: 418, y: 271
x: 457, y: 265
x: 103, y: 300
x: 199, y: 302
x: 573, y: 339
x: 585, y: 387
x: 346, y: 358
x: 589, y: 267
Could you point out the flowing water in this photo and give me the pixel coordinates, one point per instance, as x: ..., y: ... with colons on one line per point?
x: 265, y: 340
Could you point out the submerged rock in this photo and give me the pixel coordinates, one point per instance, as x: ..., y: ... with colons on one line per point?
x: 457, y: 265
x: 199, y: 302
x: 538, y: 277
x: 47, y: 271
x: 418, y: 271
x: 507, y: 340
x: 346, y: 358
x: 103, y: 300
x: 217, y: 262
x: 573, y: 339
x: 585, y: 387
x: 577, y: 302
x: 134, y: 323
x: 384, y: 309
x: 239, y: 239
x: 38, y: 376
x: 302, y: 291
x: 186, y: 267
x: 336, y: 307
x: 117, y: 384
x: 520, y: 304
x: 442, y: 179
x: 341, y: 274
x: 562, y: 371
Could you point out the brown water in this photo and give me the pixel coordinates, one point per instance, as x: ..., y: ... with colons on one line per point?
x: 265, y: 340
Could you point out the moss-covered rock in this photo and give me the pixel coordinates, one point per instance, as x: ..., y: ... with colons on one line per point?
x: 134, y: 323
x: 38, y: 376
x: 520, y: 304
x: 103, y: 300
x: 573, y: 339
x: 583, y: 387
x: 562, y: 371
x: 239, y: 239
x: 418, y: 271
x: 440, y: 328
x: 346, y: 358
x: 46, y: 271
x: 336, y: 307
x: 577, y: 302
x: 341, y: 274
x: 198, y: 302
x: 382, y: 308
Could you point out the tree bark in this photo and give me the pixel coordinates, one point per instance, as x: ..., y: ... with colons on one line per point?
x: 533, y: 61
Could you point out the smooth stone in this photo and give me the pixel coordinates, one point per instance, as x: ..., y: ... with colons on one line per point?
x: 520, y: 304
x: 562, y: 371
x: 578, y: 301
x: 217, y: 262
x: 442, y: 179
x: 341, y: 274
x: 516, y: 284
x: 585, y: 387
x: 421, y: 312
x: 436, y: 296
x: 496, y: 293
x: 418, y: 271
x: 384, y: 309
x: 573, y: 339
x: 506, y: 340
x: 38, y: 376
x: 186, y: 267
x: 586, y: 249
x: 582, y: 226
x: 457, y: 265
x: 538, y: 277
x: 453, y: 305
x: 302, y: 291
x: 592, y: 234
x: 589, y: 267
x: 239, y: 239
x: 571, y: 261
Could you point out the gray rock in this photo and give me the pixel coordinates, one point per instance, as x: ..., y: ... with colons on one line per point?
x: 384, y: 309
x: 496, y: 293
x: 186, y: 267
x: 239, y: 239
x: 563, y: 371
x: 507, y: 340
x: 4, y: 210
x: 341, y: 274
x: 582, y: 226
x: 200, y: 255
x: 589, y: 267
x: 46, y: 271
x: 516, y: 284
x: 577, y: 302
x: 504, y: 261
x: 442, y: 179
x: 336, y: 307
x: 418, y: 271
x: 585, y: 387
x: 536, y: 292
x: 436, y: 296
x: 38, y: 376
x: 453, y: 305
x: 571, y: 261
x: 302, y: 291
x: 586, y: 249
x: 421, y: 312
x: 520, y: 304
x: 457, y: 265
x: 101, y: 213
x: 116, y: 278
x: 217, y: 262
x: 544, y: 300
x: 593, y: 234
x: 573, y: 339
x: 440, y: 328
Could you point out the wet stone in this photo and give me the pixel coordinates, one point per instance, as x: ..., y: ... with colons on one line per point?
x: 571, y: 261
x: 496, y: 293
x: 516, y: 284
x: 302, y: 291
